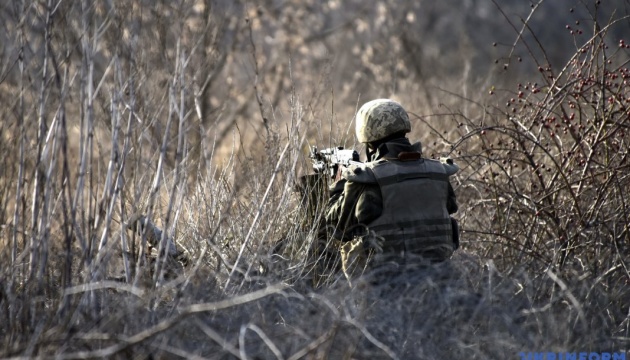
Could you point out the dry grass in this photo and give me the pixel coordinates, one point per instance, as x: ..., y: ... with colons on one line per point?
x: 202, y: 125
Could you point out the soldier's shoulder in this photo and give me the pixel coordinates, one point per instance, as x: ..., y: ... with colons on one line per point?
x: 359, y: 173
x: 449, y: 165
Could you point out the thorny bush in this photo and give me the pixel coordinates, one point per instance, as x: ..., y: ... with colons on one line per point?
x: 546, y: 177
x: 87, y: 148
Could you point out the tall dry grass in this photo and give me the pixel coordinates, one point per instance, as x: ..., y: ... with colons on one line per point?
x: 116, y: 111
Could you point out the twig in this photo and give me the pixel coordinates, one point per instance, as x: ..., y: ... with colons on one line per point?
x: 241, y: 339
x: 167, y: 324
x: 256, y: 72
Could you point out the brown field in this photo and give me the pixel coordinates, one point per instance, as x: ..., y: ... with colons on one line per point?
x: 198, y: 116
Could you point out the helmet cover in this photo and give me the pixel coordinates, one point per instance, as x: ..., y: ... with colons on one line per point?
x: 380, y: 118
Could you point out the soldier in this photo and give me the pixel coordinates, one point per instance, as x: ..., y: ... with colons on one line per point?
x: 394, y: 208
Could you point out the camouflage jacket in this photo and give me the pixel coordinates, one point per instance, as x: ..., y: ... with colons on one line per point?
x: 353, y: 203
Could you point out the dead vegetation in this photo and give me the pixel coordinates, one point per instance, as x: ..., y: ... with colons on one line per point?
x: 151, y: 150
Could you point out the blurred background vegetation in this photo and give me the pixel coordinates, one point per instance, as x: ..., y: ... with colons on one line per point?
x: 334, y: 54
x: 197, y: 115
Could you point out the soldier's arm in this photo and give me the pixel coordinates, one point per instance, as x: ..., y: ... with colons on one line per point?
x: 339, y: 210
x: 451, y: 169
x: 451, y: 200
x: 358, y: 202
x: 336, y: 198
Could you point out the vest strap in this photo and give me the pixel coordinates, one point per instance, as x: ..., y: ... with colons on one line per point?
x: 419, y: 236
x: 411, y: 224
x: 393, y: 179
x: 399, y: 245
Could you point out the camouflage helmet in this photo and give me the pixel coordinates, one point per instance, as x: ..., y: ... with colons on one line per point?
x: 380, y: 118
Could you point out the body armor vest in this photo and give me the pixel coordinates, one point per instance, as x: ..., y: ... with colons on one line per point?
x: 414, y: 217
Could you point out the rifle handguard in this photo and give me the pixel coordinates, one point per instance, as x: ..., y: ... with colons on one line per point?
x: 329, y: 159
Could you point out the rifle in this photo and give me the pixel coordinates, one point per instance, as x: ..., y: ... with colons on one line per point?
x: 328, y: 160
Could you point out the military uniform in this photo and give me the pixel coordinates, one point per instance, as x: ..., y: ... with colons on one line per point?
x: 399, y: 202
x: 397, y: 205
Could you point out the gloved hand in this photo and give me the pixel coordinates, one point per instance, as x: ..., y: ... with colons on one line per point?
x: 340, y: 170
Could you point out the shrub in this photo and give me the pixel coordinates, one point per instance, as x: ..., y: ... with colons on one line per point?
x: 111, y: 116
